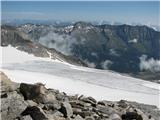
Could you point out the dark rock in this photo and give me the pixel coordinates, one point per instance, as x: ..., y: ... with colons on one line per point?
x: 35, y: 112
x: 90, y: 100
x: 79, y: 104
x: 37, y: 93
x: 122, y: 104
x: 4, y: 95
x: 131, y: 116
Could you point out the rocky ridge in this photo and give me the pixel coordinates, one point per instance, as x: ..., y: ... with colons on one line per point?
x: 21, y: 101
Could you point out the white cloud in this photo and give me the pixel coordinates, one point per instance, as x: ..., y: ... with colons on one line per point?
x: 94, y: 54
x: 113, y: 52
x: 149, y: 64
x: 61, y: 43
x: 133, y: 41
x: 90, y: 64
x: 105, y: 65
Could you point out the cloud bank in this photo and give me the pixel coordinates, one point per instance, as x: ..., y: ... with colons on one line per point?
x: 60, y: 42
x: 106, y: 64
x: 149, y: 64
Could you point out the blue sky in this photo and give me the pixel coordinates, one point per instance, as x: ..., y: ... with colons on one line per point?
x: 126, y: 12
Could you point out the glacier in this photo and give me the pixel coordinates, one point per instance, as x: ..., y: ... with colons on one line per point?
x: 100, y: 84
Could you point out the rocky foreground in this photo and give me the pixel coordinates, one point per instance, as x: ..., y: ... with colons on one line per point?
x: 35, y: 102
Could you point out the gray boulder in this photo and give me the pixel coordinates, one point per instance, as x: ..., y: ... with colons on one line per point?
x: 66, y: 109
x: 6, y: 84
x: 12, y: 106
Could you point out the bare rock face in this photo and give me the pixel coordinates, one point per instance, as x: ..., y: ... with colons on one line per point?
x: 35, y: 102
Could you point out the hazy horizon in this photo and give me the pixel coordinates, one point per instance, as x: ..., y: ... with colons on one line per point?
x: 116, y: 11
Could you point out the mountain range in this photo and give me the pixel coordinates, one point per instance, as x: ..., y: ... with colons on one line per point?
x: 133, y: 50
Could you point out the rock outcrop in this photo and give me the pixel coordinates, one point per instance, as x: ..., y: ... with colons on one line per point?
x: 36, y: 102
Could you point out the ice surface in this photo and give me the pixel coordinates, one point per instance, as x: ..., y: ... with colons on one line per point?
x: 100, y: 84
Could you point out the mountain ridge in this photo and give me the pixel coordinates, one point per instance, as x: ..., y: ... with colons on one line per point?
x: 114, y: 47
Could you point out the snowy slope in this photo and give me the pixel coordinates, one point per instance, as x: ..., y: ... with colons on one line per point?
x: 100, y: 84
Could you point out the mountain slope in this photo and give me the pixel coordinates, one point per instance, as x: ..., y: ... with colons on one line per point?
x: 115, y: 47
x: 10, y: 36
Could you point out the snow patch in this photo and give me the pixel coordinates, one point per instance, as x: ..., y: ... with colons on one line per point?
x: 50, y: 54
x: 133, y: 41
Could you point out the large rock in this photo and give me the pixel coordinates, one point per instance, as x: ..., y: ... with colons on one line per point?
x: 105, y: 109
x: 78, y: 117
x: 66, y: 109
x: 115, y: 117
x: 12, y: 106
x: 35, y: 112
x: 131, y: 116
x: 90, y: 100
x: 37, y: 93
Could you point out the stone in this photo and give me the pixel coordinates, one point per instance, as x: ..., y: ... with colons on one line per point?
x: 79, y: 104
x: 31, y: 103
x: 105, y: 109
x: 35, y: 112
x: 52, y: 106
x: 122, y: 104
x: 115, y: 117
x: 131, y: 116
x: 66, y: 109
x: 6, y: 84
x: 38, y: 93
x: 89, y: 118
x: 12, y: 106
x: 28, y: 117
x: 90, y: 100
x: 76, y: 110
x: 78, y: 117
x: 30, y: 91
